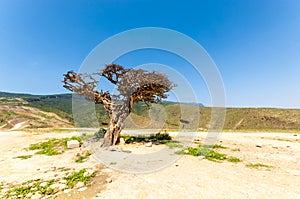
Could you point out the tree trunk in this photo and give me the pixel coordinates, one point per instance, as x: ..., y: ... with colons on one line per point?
x: 116, y: 125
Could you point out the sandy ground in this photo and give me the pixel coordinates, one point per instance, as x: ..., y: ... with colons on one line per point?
x: 188, y: 177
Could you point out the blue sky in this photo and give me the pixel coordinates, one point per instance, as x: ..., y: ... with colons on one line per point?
x: 254, y: 43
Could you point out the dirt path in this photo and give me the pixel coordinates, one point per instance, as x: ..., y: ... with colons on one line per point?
x: 189, y: 177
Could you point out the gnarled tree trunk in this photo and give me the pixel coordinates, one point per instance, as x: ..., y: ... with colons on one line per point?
x: 115, y: 126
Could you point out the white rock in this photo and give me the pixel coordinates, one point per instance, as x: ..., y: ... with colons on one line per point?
x: 29, y: 195
x: 79, y: 185
x: 148, y: 144
x: 67, y: 190
x: 259, y: 145
x: 82, y: 189
x: 43, y: 184
x: 62, y: 186
x: 72, y: 144
x: 36, y: 196
x: 89, y: 172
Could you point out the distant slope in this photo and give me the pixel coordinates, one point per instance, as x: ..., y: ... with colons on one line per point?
x: 237, y: 119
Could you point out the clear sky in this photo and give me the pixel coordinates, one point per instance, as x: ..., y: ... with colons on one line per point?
x: 254, y: 43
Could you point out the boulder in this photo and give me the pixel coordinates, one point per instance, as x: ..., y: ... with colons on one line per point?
x: 72, y: 144
x: 148, y: 144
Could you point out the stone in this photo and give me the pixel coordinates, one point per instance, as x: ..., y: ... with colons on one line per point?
x: 79, y: 185
x: 67, y: 190
x: 108, y: 180
x: 43, y: 184
x: 148, y: 144
x: 89, y: 172
x: 62, y: 186
x: 37, y: 196
x: 72, y: 144
x: 82, y: 189
x: 259, y: 145
x: 29, y: 195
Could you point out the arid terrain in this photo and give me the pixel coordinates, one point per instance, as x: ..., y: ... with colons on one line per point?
x: 268, y: 167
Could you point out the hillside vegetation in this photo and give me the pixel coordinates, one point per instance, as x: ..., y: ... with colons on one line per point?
x: 55, y: 111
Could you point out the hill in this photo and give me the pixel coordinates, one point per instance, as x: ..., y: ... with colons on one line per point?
x: 53, y: 111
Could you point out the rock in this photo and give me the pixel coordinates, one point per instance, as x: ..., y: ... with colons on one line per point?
x: 62, y: 186
x: 37, y: 196
x: 43, y: 184
x: 148, y: 144
x: 57, y: 187
x: 79, y: 185
x: 108, y: 180
x: 29, y: 195
x: 82, y: 189
x: 67, y: 190
x: 197, y: 139
x: 122, y: 141
x: 89, y: 172
x: 259, y: 145
x: 72, y: 144
x: 62, y: 181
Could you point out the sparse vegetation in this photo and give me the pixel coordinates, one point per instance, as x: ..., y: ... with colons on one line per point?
x: 173, y: 144
x: 233, y: 159
x: 79, y: 176
x: 24, y: 157
x: 208, y: 153
x: 44, y: 187
x: 100, y: 133
x: 54, y: 146
x: 158, y: 137
x: 81, y: 159
x: 257, y: 165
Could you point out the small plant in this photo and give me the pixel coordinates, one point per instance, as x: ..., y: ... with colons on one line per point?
x: 257, y: 165
x: 81, y: 159
x: 218, y: 146
x: 233, y: 160
x: 54, y: 146
x: 113, y: 163
x: 207, y: 152
x: 236, y: 149
x: 215, y: 156
x: 173, y: 144
x: 76, y: 177
x: 160, y: 136
x: 24, y: 157
x: 100, y: 133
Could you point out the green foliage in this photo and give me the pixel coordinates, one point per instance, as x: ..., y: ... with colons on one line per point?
x: 24, y: 157
x: 81, y: 159
x: 76, y: 177
x: 207, y: 152
x: 233, y: 159
x: 100, y: 133
x: 160, y: 137
x: 54, y: 146
x: 34, y: 186
x: 173, y: 144
x: 30, y: 187
x: 257, y: 165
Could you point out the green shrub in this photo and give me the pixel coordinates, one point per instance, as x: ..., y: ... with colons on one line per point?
x: 100, y: 133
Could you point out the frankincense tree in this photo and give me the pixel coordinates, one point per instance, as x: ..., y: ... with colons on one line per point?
x: 133, y: 85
